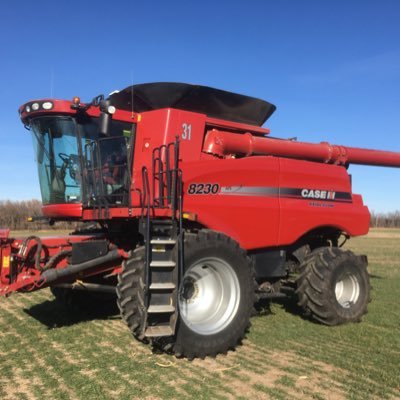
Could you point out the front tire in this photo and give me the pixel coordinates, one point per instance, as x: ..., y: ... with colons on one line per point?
x: 131, y: 295
x: 333, y: 287
x: 217, y: 295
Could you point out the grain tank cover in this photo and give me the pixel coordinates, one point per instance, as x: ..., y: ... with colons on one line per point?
x: 214, y: 103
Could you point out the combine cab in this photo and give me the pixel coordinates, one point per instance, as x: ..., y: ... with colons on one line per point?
x: 196, y: 214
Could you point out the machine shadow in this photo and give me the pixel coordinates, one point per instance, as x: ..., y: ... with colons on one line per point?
x: 373, y: 276
x: 289, y: 304
x: 55, y: 315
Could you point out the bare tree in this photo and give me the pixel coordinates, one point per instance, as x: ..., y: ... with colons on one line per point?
x: 385, y: 220
x: 15, y: 214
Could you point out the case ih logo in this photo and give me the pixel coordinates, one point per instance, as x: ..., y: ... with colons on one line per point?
x: 318, y: 194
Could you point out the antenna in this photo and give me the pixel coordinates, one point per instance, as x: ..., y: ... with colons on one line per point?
x: 133, y: 111
x: 51, y: 82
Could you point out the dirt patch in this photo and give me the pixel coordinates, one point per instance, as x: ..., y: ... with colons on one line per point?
x: 41, y: 366
x: 22, y: 385
x: 66, y: 355
x: 177, y: 384
x: 272, y: 371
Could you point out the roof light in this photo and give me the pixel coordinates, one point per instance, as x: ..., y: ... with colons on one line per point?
x: 111, y: 109
x: 76, y: 100
x: 27, y: 108
x: 35, y: 106
x: 47, y: 105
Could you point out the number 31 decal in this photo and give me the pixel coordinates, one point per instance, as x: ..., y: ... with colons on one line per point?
x: 203, y: 188
x: 186, y: 131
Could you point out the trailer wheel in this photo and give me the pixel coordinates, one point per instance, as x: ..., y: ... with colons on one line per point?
x: 130, y: 293
x: 216, y: 298
x: 333, y: 287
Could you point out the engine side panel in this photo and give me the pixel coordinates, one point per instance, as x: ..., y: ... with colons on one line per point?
x: 323, y: 198
x: 265, y: 201
x: 227, y: 196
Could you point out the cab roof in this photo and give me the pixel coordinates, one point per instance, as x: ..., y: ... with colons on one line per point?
x: 215, y: 103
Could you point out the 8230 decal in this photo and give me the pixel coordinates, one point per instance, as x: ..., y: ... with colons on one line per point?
x: 203, y: 188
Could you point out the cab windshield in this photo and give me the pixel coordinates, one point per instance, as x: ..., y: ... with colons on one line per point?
x: 76, y: 164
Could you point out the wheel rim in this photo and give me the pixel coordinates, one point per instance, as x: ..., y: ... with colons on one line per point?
x: 347, y: 290
x: 209, y: 296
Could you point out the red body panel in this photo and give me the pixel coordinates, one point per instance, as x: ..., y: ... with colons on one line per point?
x: 254, y: 204
x: 299, y: 216
x: 260, y: 201
x: 64, y: 107
x: 255, y: 220
x: 73, y: 211
x: 250, y: 218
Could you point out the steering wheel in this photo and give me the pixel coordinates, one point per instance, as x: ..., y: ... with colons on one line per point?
x: 64, y: 157
x: 71, y: 163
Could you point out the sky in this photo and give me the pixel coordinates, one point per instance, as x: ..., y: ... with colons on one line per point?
x: 332, y: 68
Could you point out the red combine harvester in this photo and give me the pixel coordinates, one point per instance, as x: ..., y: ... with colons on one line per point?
x: 196, y: 214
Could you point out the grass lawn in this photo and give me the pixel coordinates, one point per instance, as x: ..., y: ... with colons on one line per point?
x: 48, y: 353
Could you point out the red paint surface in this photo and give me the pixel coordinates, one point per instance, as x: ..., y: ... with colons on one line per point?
x: 262, y: 183
x: 254, y: 221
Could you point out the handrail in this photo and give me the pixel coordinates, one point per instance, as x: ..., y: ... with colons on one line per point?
x: 146, y: 203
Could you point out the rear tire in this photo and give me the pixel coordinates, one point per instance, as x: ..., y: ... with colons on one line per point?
x: 333, y: 287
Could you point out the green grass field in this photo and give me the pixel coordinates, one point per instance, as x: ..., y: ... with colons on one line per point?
x: 47, y: 353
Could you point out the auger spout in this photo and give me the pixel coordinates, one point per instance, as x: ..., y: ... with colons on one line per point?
x: 223, y: 143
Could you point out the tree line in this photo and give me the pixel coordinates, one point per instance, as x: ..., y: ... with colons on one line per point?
x: 385, y: 220
x: 14, y: 215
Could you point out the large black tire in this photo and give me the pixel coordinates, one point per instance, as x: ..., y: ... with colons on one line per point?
x: 219, y: 278
x: 130, y: 293
x: 333, y: 287
x: 217, y: 271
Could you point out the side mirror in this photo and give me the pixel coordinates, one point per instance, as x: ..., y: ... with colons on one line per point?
x: 106, y: 111
x: 104, y: 123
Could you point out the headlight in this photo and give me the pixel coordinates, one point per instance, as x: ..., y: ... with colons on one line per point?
x: 111, y: 109
x: 27, y: 108
x: 35, y: 106
x: 47, y: 105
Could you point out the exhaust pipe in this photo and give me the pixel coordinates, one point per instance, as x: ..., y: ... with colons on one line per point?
x: 52, y: 275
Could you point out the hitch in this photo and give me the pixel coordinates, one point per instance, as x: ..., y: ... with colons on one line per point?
x: 32, y: 263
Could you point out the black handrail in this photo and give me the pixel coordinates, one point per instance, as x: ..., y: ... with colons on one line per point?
x: 146, y: 204
x: 168, y: 173
x: 98, y: 197
x: 165, y: 197
x: 181, y: 232
x: 169, y: 195
x: 175, y: 177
